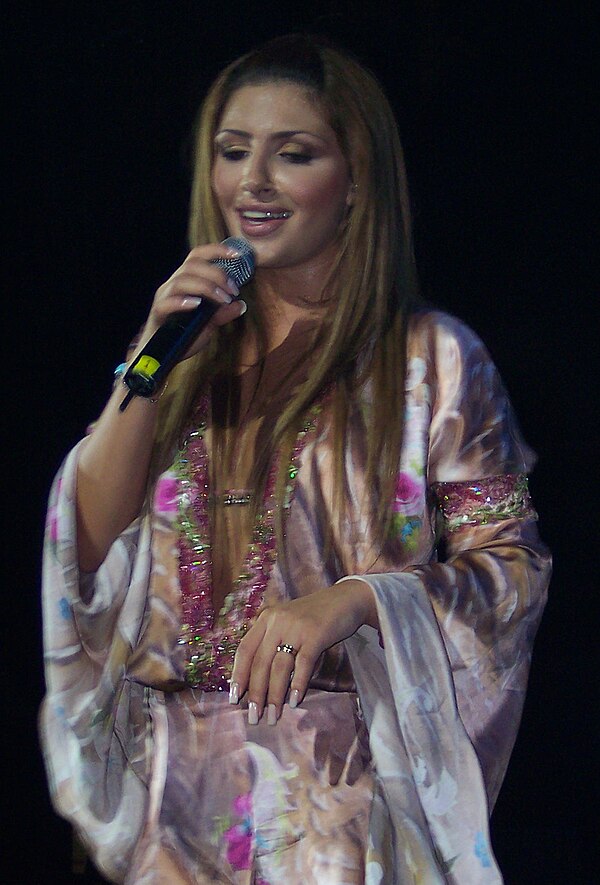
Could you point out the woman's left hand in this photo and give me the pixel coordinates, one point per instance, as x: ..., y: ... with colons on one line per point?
x: 308, y: 626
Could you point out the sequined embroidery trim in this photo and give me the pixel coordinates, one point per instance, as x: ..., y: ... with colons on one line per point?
x: 211, y: 639
x: 482, y: 501
x: 233, y: 497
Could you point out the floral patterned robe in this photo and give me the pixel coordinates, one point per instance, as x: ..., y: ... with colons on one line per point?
x: 387, y: 771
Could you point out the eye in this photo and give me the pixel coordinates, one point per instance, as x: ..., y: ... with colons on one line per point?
x: 231, y: 153
x: 295, y: 157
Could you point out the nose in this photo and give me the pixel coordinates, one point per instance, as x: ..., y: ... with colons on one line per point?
x: 257, y: 179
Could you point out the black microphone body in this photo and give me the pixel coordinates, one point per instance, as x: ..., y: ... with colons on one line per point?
x: 162, y: 351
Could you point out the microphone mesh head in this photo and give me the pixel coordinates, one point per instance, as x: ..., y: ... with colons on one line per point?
x: 239, y: 269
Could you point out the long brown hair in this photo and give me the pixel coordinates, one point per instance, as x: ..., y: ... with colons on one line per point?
x: 373, y: 287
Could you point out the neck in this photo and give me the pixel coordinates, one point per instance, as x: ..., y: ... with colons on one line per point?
x: 285, y: 296
x: 283, y: 327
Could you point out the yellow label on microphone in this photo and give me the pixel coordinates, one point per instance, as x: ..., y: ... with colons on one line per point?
x: 146, y: 365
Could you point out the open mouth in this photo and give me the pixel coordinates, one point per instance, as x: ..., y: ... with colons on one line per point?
x: 253, y: 215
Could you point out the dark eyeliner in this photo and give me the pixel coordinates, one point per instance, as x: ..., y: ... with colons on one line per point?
x: 232, y: 154
x: 299, y: 159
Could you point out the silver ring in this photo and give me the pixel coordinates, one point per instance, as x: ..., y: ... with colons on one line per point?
x: 288, y: 649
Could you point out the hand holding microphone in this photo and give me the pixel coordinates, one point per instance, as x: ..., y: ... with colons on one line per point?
x: 174, y: 337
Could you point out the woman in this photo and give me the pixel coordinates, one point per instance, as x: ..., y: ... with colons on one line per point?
x: 300, y: 474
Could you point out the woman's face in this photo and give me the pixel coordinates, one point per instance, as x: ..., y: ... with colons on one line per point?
x: 279, y: 176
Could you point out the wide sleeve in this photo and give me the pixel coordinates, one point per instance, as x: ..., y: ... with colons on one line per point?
x: 92, y: 720
x: 456, y: 633
x: 489, y: 591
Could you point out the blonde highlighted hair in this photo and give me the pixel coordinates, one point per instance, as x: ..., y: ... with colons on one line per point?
x: 372, y: 289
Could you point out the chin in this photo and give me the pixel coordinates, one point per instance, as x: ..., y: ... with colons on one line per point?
x: 269, y: 257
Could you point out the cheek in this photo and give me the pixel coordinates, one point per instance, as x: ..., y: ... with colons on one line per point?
x: 223, y: 183
x: 328, y: 192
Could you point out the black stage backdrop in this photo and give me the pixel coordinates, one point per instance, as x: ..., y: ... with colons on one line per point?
x: 494, y: 108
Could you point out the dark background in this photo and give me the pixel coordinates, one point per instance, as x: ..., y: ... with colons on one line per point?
x: 494, y: 106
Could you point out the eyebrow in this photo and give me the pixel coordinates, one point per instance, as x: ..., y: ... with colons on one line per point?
x: 287, y: 133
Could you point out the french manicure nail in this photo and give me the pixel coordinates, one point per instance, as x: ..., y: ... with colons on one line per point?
x: 252, y: 713
x: 223, y: 295
x: 272, y: 714
x: 244, y: 307
x: 234, y: 692
x: 191, y: 301
x: 294, y: 698
x: 233, y: 288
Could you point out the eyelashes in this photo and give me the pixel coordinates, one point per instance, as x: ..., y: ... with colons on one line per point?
x: 298, y: 159
x: 231, y: 154
x: 235, y: 155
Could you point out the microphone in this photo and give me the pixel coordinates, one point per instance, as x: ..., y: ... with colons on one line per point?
x: 161, y: 352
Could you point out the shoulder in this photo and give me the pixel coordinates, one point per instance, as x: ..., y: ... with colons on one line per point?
x: 432, y: 331
x: 454, y: 362
x: 473, y: 430
x: 446, y: 344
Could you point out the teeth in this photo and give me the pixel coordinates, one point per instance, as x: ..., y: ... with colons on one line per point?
x: 261, y: 216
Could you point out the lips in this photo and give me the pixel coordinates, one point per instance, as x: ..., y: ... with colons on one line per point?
x: 255, y: 222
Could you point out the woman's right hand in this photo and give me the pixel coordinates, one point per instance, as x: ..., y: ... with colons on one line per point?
x: 197, y: 278
x: 114, y: 461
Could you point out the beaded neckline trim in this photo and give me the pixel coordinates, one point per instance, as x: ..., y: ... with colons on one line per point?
x: 210, y: 639
x: 232, y: 497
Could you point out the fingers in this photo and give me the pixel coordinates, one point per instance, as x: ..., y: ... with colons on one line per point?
x: 240, y: 676
x: 277, y: 679
x: 306, y: 626
x: 229, y: 312
x: 198, y: 279
x: 200, y: 264
x: 301, y: 676
x: 269, y: 675
x: 269, y: 684
x: 188, y: 285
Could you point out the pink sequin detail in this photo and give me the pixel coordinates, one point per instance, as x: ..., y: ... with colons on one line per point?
x: 212, y: 638
x: 486, y: 500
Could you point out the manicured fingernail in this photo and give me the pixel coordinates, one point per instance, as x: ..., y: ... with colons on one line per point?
x: 272, y: 714
x: 244, y: 307
x: 233, y: 288
x: 222, y: 295
x: 191, y: 301
x: 294, y: 698
x: 234, y: 692
x: 252, y: 713
x: 233, y: 253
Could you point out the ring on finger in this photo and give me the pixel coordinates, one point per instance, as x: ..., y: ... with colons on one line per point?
x: 288, y: 649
